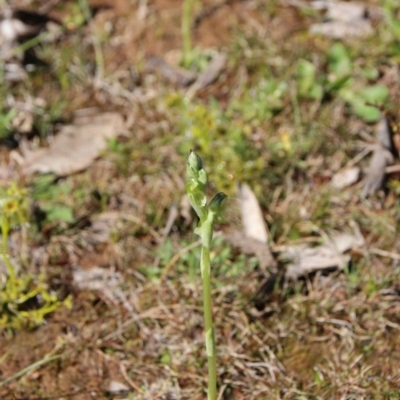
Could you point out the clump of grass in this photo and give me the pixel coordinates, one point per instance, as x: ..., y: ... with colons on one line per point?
x: 193, y: 57
x: 24, y: 300
x: 186, y: 34
x: 207, y: 213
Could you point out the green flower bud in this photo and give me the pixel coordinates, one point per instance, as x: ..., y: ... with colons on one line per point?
x: 194, y: 164
x: 203, y: 178
x: 197, y: 197
x: 217, y: 203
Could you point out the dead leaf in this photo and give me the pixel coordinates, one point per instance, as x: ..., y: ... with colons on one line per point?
x: 176, y: 76
x: 96, y: 278
x: 103, y: 225
x: 23, y: 122
x: 16, y: 27
x: 208, y: 76
x: 381, y: 158
x: 304, y: 260
x: 107, y: 282
x: 250, y: 246
x: 345, y: 177
x: 76, y: 146
x: 14, y: 72
x: 343, y: 19
x: 341, y: 30
x: 346, y: 12
x: 254, y: 239
x: 252, y: 218
x: 116, y: 387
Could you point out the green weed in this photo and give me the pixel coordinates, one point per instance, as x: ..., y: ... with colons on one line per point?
x: 25, y: 300
x: 219, y: 136
x: 340, y: 80
x: 6, y: 118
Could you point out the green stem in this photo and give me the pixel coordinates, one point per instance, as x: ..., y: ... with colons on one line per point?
x: 98, y: 53
x: 24, y: 233
x: 209, y: 328
x: 186, y: 31
x: 4, y: 233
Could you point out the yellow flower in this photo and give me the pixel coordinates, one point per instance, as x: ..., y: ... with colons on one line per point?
x: 10, y: 206
x: 15, y: 191
x: 287, y: 144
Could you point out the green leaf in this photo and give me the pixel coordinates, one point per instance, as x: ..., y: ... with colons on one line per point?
x: 316, y: 91
x: 217, y: 203
x: 376, y: 94
x: 5, y: 121
x: 366, y: 112
x: 306, y: 72
x: 339, y: 60
x: 339, y: 83
x: 370, y: 73
x: 391, y: 20
x: 166, y: 357
x: 59, y: 213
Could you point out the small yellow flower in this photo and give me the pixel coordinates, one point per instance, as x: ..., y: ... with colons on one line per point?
x: 287, y: 144
x: 10, y: 206
x: 15, y: 191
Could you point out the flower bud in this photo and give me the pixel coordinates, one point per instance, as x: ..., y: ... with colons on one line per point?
x: 195, y: 164
x: 217, y: 203
x: 203, y: 178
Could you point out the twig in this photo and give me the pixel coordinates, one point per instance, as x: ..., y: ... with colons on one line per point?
x: 29, y: 368
x: 129, y: 380
x: 384, y: 253
x: 96, y: 42
x: 392, y: 169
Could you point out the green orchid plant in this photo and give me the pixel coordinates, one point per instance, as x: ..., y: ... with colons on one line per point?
x: 208, y: 214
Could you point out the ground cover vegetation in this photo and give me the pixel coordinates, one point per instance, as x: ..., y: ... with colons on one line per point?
x: 101, y: 291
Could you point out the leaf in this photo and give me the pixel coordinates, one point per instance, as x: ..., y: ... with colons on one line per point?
x: 304, y: 260
x: 382, y: 157
x: 208, y: 76
x: 376, y: 94
x: 252, y: 218
x: 306, y: 72
x: 391, y: 21
x: 340, y: 83
x: 345, y: 177
x: 175, y: 75
x: 96, y: 278
x: 5, y: 122
x: 342, y: 30
x: 366, y: 112
x: 76, y: 146
x: 344, y: 19
x: 339, y: 60
x: 248, y: 245
x: 115, y: 388
x: 59, y: 213
x: 346, y: 11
